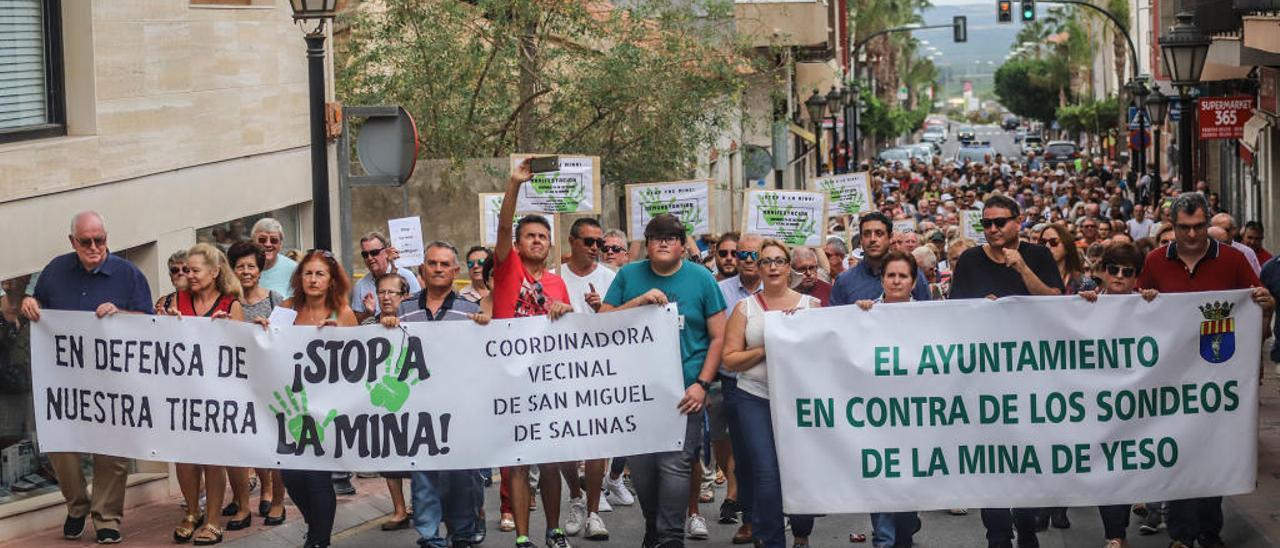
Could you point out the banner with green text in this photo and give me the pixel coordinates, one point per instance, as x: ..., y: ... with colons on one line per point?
x: 427, y: 396
x: 1019, y: 402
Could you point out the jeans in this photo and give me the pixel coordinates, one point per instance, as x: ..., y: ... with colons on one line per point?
x: 1190, y: 519
x: 1000, y: 523
x: 766, y: 522
x: 312, y: 492
x: 662, y: 485
x: 742, y: 470
x: 1115, y: 519
x: 448, y: 495
x: 890, y: 529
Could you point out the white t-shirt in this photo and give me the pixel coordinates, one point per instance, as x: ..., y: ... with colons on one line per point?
x: 1139, y: 229
x: 579, y: 286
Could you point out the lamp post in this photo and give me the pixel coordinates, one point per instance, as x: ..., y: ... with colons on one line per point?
x: 853, y: 103
x: 1138, y: 92
x: 317, y: 12
x: 1184, y: 49
x: 834, y: 98
x: 1158, y: 108
x: 817, y: 106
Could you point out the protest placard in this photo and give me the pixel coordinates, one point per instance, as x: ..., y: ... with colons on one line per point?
x: 971, y: 225
x: 573, y: 189
x: 427, y: 396
x: 847, y: 194
x: 491, y: 205
x: 796, y: 217
x: 1019, y: 402
x: 406, y: 237
x: 690, y: 201
x: 904, y: 225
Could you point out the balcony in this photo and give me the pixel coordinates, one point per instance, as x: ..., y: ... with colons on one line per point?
x: 783, y: 23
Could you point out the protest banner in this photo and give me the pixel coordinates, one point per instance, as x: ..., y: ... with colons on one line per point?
x: 796, y: 217
x: 427, y: 396
x: 406, y: 237
x: 1045, y: 401
x: 971, y: 225
x: 848, y: 194
x: 491, y: 205
x: 690, y: 201
x: 573, y: 189
x: 904, y: 225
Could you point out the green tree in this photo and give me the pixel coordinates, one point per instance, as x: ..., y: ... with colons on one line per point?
x: 1029, y: 87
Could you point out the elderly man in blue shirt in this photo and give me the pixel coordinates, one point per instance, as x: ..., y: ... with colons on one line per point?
x: 90, y: 279
x: 862, y: 282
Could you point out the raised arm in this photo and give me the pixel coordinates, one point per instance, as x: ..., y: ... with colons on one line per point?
x: 506, y: 216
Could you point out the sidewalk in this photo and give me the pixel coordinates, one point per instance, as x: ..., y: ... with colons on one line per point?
x: 1262, y: 507
x: 152, y: 525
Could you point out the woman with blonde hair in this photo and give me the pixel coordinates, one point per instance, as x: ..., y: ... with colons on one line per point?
x: 214, y: 292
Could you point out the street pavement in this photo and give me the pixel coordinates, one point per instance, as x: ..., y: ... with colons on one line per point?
x: 1001, y: 140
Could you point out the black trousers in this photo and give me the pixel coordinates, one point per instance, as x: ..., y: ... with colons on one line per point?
x: 312, y: 492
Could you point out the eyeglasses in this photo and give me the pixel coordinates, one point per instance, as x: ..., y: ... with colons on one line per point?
x: 473, y: 264
x: 1051, y: 242
x: 371, y: 253
x: 773, y: 261
x: 174, y: 270
x: 264, y: 240
x: 611, y: 249
x: 388, y: 293
x: 99, y: 241
x: 747, y: 255
x: 668, y: 240
x: 1121, y: 271
x: 592, y: 242
x: 997, y: 222
x: 806, y: 269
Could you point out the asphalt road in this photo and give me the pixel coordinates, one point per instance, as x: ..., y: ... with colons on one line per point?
x: 626, y: 526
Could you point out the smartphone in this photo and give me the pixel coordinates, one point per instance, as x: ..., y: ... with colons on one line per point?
x: 544, y: 164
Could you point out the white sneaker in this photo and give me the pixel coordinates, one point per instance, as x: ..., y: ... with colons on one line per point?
x: 595, y: 528
x: 604, y: 502
x: 616, y: 492
x: 695, y: 527
x: 577, y: 516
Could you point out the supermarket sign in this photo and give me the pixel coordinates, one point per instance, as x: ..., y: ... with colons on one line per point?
x: 1224, y: 117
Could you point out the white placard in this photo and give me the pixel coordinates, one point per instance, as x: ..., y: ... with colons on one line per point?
x: 491, y: 206
x: 848, y: 194
x: 904, y: 225
x: 971, y: 225
x: 573, y: 189
x: 432, y: 396
x: 281, y: 316
x: 688, y: 200
x: 1020, y: 402
x: 796, y: 217
x: 406, y: 237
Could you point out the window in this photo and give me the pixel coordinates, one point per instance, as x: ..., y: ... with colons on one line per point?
x: 31, y: 94
x: 230, y: 232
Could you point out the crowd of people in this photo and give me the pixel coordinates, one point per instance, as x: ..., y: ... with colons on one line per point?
x: 1074, y: 231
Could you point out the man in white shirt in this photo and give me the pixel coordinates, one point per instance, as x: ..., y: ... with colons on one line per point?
x: 587, y: 282
x: 1228, y: 225
x: 1139, y: 225
x: 377, y: 253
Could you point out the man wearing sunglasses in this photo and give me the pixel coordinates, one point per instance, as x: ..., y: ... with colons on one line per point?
x: 1196, y: 262
x: 726, y: 256
x: 1005, y: 265
x: 278, y: 269
x: 377, y: 253
x: 90, y: 279
x: 586, y: 280
x: 615, y: 248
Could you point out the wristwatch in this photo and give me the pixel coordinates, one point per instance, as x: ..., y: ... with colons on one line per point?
x: 706, y: 386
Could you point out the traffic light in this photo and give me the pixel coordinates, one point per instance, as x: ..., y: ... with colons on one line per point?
x: 1028, y: 11
x: 1004, y: 11
x: 960, y: 28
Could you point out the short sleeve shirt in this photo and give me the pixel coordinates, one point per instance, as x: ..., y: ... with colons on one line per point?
x: 975, y: 275
x: 1221, y: 268
x: 579, y: 286
x: 863, y: 283
x: 517, y: 295
x: 694, y: 291
x: 65, y: 285
x: 368, y: 285
x: 277, y: 277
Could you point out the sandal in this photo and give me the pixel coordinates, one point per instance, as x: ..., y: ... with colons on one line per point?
x: 185, y: 531
x: 857, y: 537
x: 214, y: 537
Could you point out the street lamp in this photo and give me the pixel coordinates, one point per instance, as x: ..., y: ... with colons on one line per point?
x: 318, y: 12
x: 817, y: 106
x: 852, y: 99
x: 1184, y: 49
x: 835, y: 98
x: 1138, y: 93
x: 1158, y: 108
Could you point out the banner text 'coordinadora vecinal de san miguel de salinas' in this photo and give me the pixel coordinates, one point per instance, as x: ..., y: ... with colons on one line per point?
x: 427, y: 396
x: 1021, y: 402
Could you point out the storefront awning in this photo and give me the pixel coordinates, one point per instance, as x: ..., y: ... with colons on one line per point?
x: 1252, y: 129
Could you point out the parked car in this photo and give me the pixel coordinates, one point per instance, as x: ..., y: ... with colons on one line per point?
x: 1019, y: 135
x: 1032, y: 143
x: 895, y: 154
x: 974, y: 152
x: 1061, y: 150
x: 966, y: 134
x: 934, y: 134
x: 1009, y: 123
x: 921, y: 151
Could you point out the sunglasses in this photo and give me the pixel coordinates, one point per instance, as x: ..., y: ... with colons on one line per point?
x: 773, y: 261
x: 1051, y: 242
x: 473, y: 264
x: 747, y: 255
x: 371, y: 253
x: 725, y: 253
x: 99, y: 241
x: 268, y: 240
x: 1122, y: 271
x: 592, y: 242
x: 173, y: 270
x: 611, y: 249
x: 997, y: 222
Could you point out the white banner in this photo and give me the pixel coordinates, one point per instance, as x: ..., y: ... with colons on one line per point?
x: 1020, y: 402
x: 796, y: 217
x: 848, y: 194
x: 406, y: 236
x: 431, y: 396
x: 690, y: 201
x: 573, y: 189
x: 491, y: 206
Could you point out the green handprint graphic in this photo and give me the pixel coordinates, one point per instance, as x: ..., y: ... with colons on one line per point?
x: 691, y: 217
x: 294, y: 411
x: 831, y: 189
x: 769, y: 209
x: 801, y: 233
x: 390, y: 392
